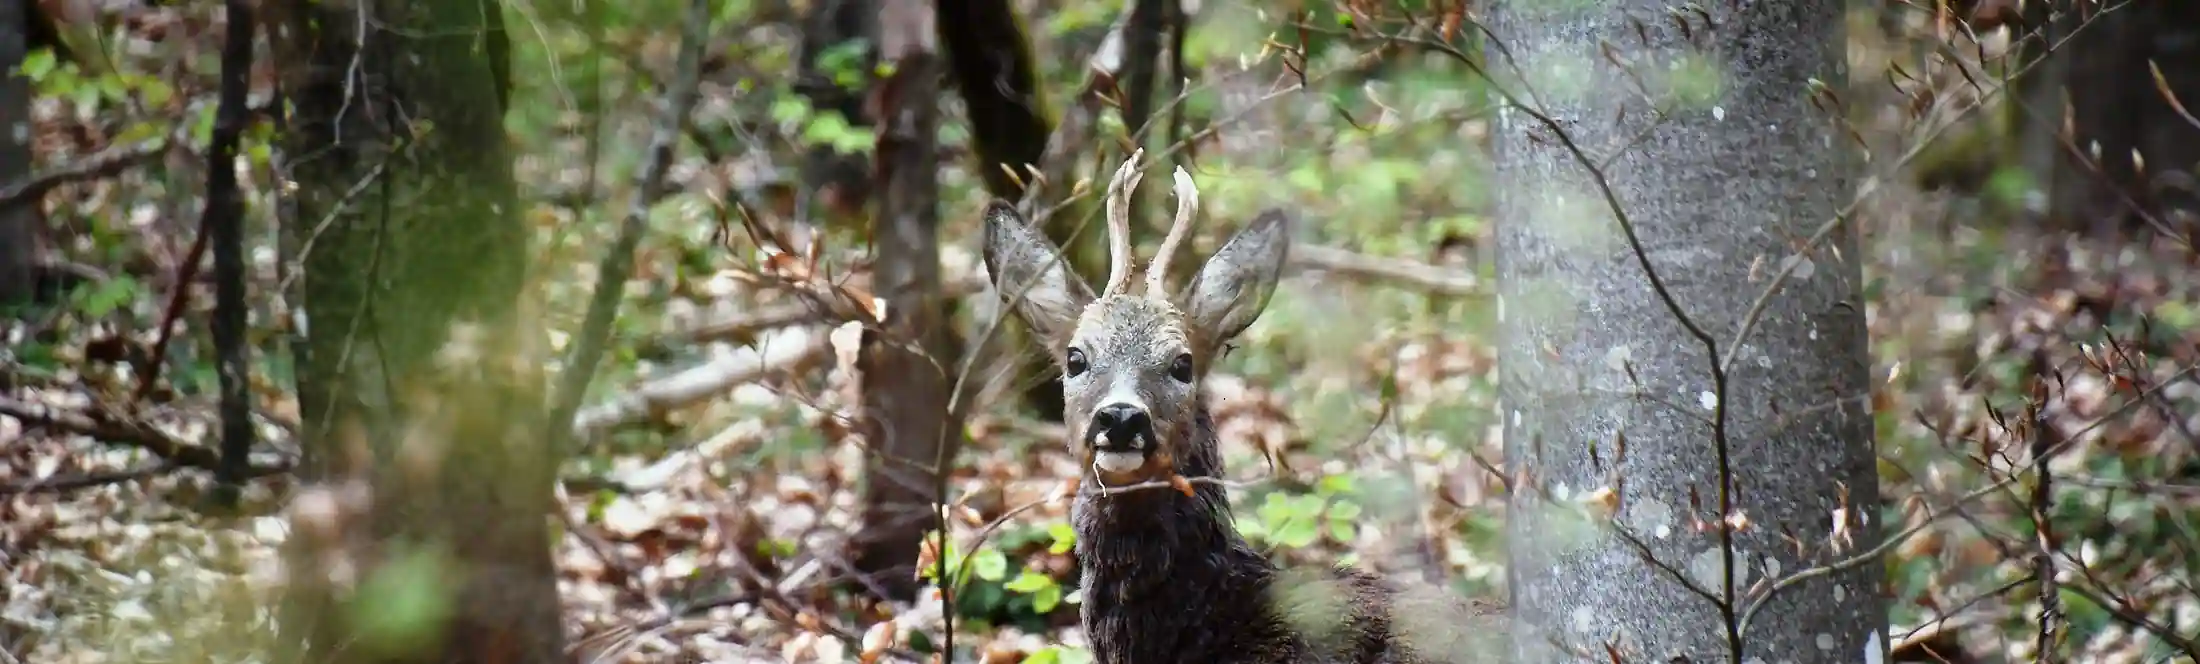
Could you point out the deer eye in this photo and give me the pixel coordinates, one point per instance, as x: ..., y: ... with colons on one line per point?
x: 1076, y: 363
x: 1181, y: 368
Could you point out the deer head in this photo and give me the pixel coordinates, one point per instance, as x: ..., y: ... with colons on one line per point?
x: 1131, y: 362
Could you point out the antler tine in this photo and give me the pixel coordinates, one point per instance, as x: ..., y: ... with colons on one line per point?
x: 1187, y: 204
x: 1119, y: 222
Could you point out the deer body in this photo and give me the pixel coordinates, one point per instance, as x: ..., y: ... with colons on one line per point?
x: 1166, y: 577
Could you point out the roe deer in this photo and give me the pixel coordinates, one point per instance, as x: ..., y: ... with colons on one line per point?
x: 1167, y: 578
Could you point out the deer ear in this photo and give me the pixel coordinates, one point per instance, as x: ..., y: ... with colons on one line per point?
x: 1233, y: 287
x: 1030, y: 274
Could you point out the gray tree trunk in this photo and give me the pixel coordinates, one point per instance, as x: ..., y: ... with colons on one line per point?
x: 1606, y: 387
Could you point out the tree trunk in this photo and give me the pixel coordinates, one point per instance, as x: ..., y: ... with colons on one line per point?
x: 19, y: 219
x: 420, y: 390
x: 2098, y: 84
x: 908, y: 365
x: 1606, y: 388
x: 990, y: 56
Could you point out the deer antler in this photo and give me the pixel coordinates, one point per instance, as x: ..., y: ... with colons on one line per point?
x: 1119, y: 222
x: 1187, y: 204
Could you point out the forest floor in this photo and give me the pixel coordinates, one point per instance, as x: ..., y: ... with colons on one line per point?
x: 1360, y: 415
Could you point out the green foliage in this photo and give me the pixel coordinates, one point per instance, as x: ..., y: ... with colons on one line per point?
x: 1059, y: 654
x: 100, y: 299
x: 994, y: 582
x: 52, y: 77
x: 827, y: 128
x: 402, y: 606
x: 1300, y: 520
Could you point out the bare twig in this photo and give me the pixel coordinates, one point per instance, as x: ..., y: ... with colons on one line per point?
x: 2042, y: 508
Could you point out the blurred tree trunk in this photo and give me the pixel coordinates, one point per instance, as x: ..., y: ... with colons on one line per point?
x: 992, y: 62
x: 422, y: 535
x: 19, y: 219
x: 1605, y: 386
x: 908, y: 366
x: 2106, y: 141
x: 994, y: 68
x: 838, y: 51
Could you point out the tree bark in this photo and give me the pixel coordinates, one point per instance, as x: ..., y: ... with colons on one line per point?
x: 19, y: 219
x: 1608, y: 384
x: 908, y: 363
x: 994, y: 69
x: 2129, y: 161
x: 420, y: 388
x: 991, y: 59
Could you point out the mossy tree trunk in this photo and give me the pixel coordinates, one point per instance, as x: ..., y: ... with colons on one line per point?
x: 992, y: 64
x: 422, y: 535
x: 2104, y: 139
x: 1663, y: 462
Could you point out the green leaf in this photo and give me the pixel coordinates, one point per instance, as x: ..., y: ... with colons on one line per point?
x: 1306, y: 505
x: 1275, y: 509
x: 1046, y: 599
x: 825, y: 128
x: 1065, y: 537
x: 401, y: 608
x: 106, y: 297
x: 790, y: 109
x: 1344, y: 531
x: 1345, y: 510
x: 87, y: 99
x: 990, y: 564
x: 1298, y: 532
x: 39, y: 63
x: 1047, y: 655
x: 1253, y: 529
x: 854, y: 142
x: 114, y: 89
x: 156, y: 92
x: 1030, y: 582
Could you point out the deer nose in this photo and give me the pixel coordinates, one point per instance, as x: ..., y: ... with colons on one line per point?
x: 1122, y: 424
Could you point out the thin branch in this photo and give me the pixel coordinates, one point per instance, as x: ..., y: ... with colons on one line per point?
x: 107, y: 163
x: 618, y: 261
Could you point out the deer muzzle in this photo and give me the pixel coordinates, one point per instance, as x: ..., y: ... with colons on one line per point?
x: 1121, y: 435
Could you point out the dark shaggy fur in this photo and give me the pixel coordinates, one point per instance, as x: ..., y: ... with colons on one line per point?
x: 1167, y: 579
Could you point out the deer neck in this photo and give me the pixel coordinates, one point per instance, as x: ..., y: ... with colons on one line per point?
x: 1133, y: 543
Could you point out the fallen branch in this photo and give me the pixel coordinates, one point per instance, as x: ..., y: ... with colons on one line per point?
x: 781, y: 352
x: 1352, y: 264
x: 107, y: 428
x: 105, y: 164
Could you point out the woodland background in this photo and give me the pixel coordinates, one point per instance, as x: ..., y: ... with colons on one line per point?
x: 188, y: 464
